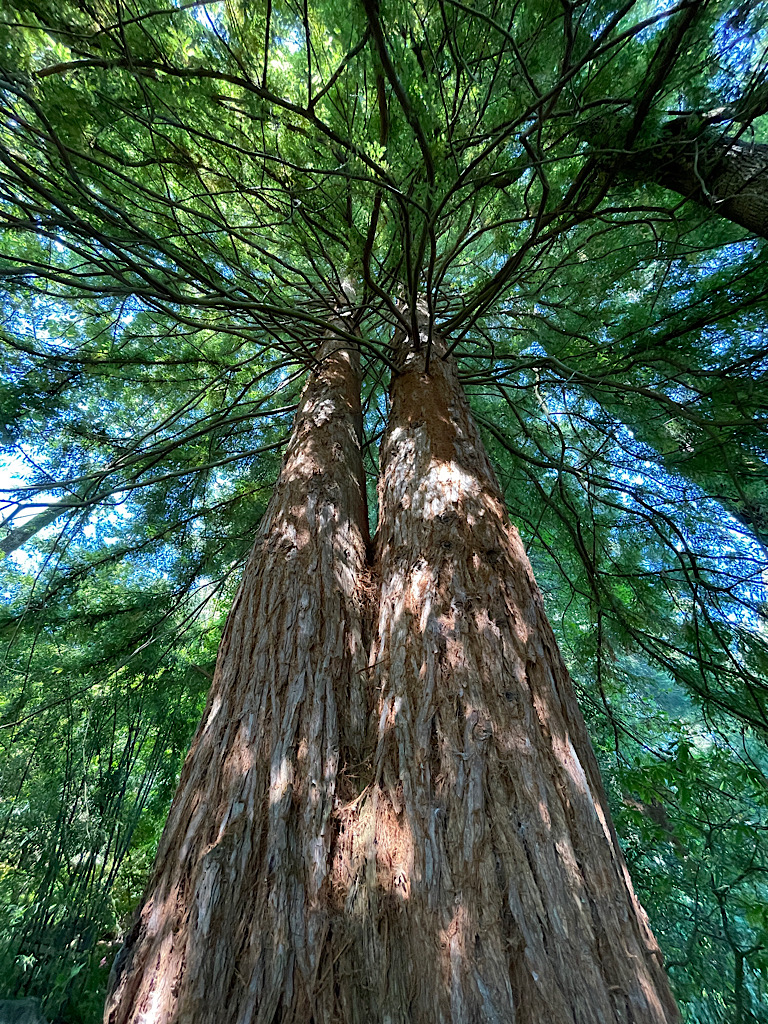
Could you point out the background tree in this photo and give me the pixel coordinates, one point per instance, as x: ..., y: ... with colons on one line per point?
x: 184, y: 195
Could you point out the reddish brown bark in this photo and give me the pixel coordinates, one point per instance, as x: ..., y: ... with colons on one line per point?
x: 457, y: 866
x: 492, y: 887
x: 235, y: 922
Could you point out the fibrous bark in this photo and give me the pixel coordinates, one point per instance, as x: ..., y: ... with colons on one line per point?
x: 235, y: 919
x: 457, y: 864
x: 491, y: 886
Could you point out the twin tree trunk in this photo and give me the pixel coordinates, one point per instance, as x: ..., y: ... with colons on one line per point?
x: 391, y: 811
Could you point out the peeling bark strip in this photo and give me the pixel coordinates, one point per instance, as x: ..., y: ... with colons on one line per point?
x: 235, y: 920
x: 500, y: 889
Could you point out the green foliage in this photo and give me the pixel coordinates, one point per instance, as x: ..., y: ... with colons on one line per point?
x: 188, y: 195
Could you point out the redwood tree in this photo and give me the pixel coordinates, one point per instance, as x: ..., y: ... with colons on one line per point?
x: 493, y: 837
x: 461, y: 866
x: 391, y: 808
x: 235, y: 925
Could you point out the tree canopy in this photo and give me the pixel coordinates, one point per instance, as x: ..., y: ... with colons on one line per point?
x: 576, y: 195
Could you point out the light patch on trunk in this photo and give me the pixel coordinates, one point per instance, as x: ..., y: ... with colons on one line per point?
x: 322, y: 411
x: 213, y: 713
x: 155, y: 1011
x: 281, y: 780
x: 444, y: 485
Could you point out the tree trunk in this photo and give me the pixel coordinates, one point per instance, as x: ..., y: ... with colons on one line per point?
x: 235, y: 918
x: 728, y: 176
x: 19, y: 535
x: 492, y: 887
x: 456, y: 866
